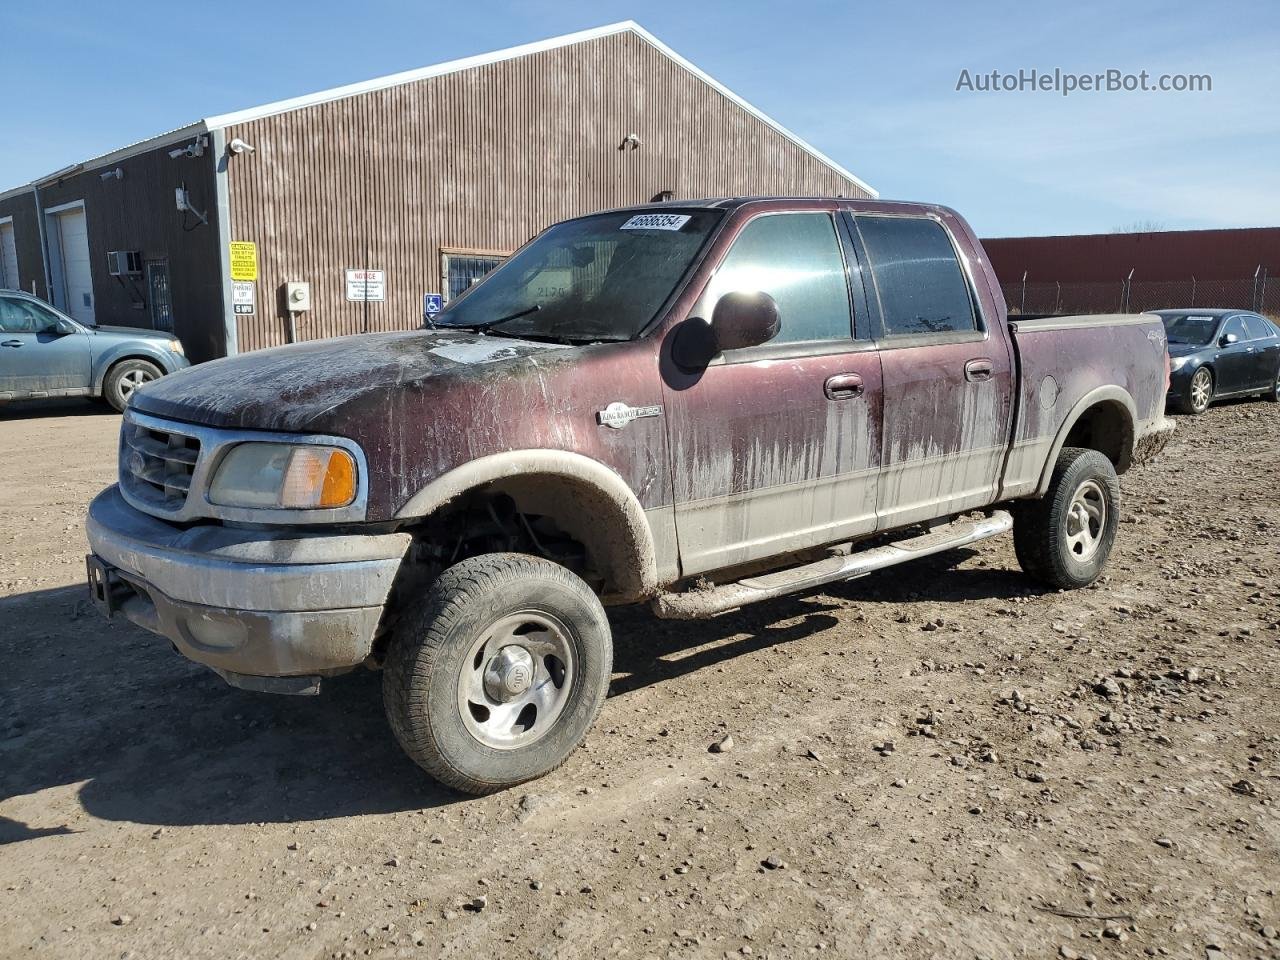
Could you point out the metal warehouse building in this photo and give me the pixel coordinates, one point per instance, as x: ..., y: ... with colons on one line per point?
x: 358, y: 208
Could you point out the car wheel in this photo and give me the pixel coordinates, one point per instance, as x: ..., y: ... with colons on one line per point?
x: 126, y: 377
x: 1198, y: 393
x: 1274, y: 393
x: 1065, y: 538
x: 495, y: 675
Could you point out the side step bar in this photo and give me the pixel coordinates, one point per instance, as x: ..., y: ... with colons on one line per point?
x: 698, y: 604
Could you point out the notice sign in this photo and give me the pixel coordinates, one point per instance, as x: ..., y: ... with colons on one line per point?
x: 366, y: 285
x: 242, y: 297
x: 244, y: 260
x: 432, y: 303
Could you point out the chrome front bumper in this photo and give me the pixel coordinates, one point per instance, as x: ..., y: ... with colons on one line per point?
x: 251, y: 604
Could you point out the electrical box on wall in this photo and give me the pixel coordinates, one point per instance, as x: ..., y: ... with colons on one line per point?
x: 297, y: 296
x: 124, y: 263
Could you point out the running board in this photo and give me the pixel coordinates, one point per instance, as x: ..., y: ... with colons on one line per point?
x: 697, y: 604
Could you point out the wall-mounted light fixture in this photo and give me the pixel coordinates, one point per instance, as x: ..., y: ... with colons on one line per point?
x: 631, y: 140
x: 238, y: 146
x: 116, y: 174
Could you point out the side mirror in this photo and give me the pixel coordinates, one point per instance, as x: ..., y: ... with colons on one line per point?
x: 64, y: 328
x: 1227, y: 339
x: 742, y: 319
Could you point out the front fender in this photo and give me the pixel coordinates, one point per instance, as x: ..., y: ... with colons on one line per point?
x: 597, y: 506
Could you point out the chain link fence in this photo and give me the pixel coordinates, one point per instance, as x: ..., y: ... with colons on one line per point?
x: 1260, y: 294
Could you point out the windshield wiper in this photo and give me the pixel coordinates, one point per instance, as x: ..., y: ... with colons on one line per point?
x: 484, y: 325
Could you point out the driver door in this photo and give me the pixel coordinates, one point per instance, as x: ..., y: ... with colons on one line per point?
x: 36, y: 359
x: 775, y: 448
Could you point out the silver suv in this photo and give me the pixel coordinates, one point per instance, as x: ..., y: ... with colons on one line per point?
x: 44, y: 353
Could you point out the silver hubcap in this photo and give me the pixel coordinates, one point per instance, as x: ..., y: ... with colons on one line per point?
x: 1086, y: 519
x: 131, y: 380
x: 1200, y: 389
x: 516, y: 680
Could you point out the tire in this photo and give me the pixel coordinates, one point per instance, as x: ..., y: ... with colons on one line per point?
x: 125, y: 377
x: 448, y: 671
x: 1064, y: 538
x: 1198, y: 393
x: 1274, y: 393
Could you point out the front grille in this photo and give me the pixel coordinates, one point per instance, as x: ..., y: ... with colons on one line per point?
x: 156, y: 465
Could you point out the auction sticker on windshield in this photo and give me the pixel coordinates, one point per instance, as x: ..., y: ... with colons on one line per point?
x: 656, y: 221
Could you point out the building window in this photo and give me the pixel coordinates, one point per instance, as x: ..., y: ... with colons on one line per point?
x: 160, y: 298
x: 460, y: 268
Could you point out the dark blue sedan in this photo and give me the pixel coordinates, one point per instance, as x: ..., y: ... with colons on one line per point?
x: 1216, y: 354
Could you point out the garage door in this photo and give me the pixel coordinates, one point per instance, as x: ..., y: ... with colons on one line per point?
x: 77, y: 280
x: 8, y: 258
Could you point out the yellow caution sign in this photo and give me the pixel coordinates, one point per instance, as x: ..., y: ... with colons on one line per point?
x: 244, y: 260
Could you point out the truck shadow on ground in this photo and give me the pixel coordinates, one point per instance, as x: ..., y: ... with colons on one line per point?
x: 155, y: 739
x: 54, y: 407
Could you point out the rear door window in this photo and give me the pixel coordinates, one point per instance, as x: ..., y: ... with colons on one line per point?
x: 918, y: 277
x: 1258, y: 328
x: 795, y: 258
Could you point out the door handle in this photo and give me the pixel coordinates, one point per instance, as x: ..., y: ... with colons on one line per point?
x: 11, y: 343
x: 977, y: 371
x: 843, y: 386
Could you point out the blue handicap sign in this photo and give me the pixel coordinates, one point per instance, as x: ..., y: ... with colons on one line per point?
x: 432, y: 303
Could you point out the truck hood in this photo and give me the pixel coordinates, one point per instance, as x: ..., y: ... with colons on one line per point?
x: 332, y: 386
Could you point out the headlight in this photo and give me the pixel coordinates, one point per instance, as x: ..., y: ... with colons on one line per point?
x: 284, y: 475
x: 175, y: 346
x: 1177, y: 363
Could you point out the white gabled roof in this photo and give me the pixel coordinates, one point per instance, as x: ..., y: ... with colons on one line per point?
x: 438, y: 70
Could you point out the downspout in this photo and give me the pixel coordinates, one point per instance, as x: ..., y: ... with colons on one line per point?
x: 44, y: 247
x: 222, y: 203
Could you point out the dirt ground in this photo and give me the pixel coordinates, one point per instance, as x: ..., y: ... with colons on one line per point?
x: 937, y: 761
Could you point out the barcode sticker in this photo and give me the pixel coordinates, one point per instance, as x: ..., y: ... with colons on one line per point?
x: 656, y: 221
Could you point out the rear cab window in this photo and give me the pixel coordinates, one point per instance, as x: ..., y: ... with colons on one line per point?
x: 921, y: 287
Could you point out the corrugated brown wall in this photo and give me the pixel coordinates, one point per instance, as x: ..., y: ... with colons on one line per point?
x: 1167, y: 255
x: 483, y: 159
x: 138, y: 212
x: 26, y: 241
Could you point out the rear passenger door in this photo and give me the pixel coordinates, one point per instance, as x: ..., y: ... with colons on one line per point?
x: 947, y: 377
x: 1266, y: 351
x: 775, y: 448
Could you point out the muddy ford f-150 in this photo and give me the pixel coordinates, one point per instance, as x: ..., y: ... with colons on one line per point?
x: 699, y: 405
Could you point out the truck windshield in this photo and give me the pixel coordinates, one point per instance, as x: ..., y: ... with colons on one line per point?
x: 596, y: 278
x: 1189, y: 328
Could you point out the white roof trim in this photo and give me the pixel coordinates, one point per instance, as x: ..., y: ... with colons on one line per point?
x: 438, y: 70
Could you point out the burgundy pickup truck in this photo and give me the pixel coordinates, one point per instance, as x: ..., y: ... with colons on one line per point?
x: 700, y: 405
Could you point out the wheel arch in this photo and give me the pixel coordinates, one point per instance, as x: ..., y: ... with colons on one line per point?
x: 587, y: 499
x: 1104, y: 419
x: 108, y: 362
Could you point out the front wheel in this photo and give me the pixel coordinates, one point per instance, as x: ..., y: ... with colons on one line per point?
x: 1198, y: 393
x: 1065, y: 538
x: 126, y: 377
x: 496, y: 674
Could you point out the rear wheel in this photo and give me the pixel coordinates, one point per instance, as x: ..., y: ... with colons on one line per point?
x: 1198, y: 392
x: 126, y: 377
x: 1065, y: 538
x: 1274, y: 393
x: 496, y: 674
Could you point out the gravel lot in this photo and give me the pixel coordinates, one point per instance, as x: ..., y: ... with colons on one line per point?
x: 937, y: 761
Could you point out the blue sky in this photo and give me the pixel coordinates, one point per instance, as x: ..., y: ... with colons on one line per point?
x: 873, y: 85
